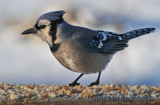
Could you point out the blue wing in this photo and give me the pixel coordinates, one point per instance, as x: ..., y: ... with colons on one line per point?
x: 110, y: 42
x: 107, y: 42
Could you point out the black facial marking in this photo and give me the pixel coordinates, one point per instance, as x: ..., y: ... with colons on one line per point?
x: 53, y: 31
x: 36, y: 25
x: 41, y: 27
x: 53, y: 28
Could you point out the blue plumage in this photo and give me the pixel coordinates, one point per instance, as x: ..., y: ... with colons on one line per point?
x: 110, y: 42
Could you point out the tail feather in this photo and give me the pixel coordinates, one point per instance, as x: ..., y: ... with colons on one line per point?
x: 136, y: 33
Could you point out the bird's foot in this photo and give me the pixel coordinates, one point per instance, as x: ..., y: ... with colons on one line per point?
x: 74, y: 83
x: 94, y: 83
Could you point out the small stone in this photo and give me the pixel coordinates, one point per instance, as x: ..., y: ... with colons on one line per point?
x: 107, y: 85
x: 69, y: 92
x: 111, y: 86
x: 13, y: 96
x: 32, y: 85
x: 5, y: 85
x: 104, y: 87
x: 152, y: 89
x: 11, y: 91
x: 144, y: 86
x: 33, y: 97
x: 47, y: 90
x: 111, y: 93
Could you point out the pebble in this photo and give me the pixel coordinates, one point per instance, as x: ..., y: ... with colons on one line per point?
x: 52, y: 95
x: 13, y: 96
x: 43, y: 91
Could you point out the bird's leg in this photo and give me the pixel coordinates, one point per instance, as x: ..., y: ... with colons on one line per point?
x: 97, y: 81
x: 75, y: 81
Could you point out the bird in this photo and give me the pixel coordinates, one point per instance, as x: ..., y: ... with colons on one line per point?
x: 81, y: 49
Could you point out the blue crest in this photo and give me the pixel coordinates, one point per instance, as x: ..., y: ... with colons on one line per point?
x: 54, y: 15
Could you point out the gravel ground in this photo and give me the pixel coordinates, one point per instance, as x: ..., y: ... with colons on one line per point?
x: 108, y: 93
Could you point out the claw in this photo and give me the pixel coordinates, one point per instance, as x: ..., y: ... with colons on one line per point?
x: 94, y: 83
x: 74, y: 83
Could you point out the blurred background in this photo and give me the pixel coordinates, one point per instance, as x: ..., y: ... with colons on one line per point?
x: 27, y: 59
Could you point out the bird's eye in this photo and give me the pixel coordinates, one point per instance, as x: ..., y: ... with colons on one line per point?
x: 42, y: 26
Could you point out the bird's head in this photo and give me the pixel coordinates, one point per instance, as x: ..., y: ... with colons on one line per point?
x: 46, y: 26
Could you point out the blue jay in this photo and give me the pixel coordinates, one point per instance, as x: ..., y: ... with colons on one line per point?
x: 80, y: 49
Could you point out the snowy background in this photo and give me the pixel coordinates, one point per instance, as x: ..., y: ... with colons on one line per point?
x: 27, y: 59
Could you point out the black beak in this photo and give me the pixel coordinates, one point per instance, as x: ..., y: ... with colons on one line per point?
x: 32, y: 30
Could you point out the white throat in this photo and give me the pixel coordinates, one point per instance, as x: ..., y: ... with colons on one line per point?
x: 44, y: 35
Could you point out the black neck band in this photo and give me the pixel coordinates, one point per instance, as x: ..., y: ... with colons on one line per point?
x: 55, y: 47
x: 53, y: 31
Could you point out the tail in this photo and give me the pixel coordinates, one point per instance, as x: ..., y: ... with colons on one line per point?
x: 136, y: 33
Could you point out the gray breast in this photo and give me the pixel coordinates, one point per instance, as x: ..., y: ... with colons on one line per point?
x: 74, y: 57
